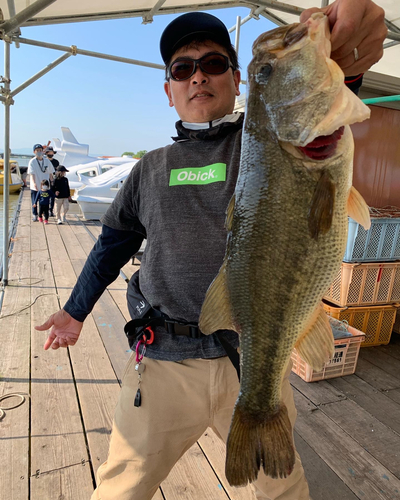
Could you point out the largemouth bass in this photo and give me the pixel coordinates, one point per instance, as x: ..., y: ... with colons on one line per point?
x: 287, y: 232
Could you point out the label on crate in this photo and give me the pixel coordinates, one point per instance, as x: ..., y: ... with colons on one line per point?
x: 337, y: 358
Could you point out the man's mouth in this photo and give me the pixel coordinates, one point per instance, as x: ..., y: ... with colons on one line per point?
x: 201, y: 94
x: 324, y: 146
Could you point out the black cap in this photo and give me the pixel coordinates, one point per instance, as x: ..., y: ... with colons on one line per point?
x: 184, y: 28
x: 50, y: 148
x: 61, y: 168
x: 37, y: 146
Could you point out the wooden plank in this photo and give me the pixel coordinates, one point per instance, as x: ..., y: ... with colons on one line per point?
x: 324, y: 484
x: 96, y: 382
x: 215, y: 451
x: 380, y: 441
x: 394, y: 394
x: 375, y: 376
x: 393, y: 348
x: 363, y: 474
x: 376, y: 403
x: 194, y: 481
x: 57, y: 438
x: 14, y: 366
x: 317, y: 392
x: 69, y: 483
x: 383, y: 360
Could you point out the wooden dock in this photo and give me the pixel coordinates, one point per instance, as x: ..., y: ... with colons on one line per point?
x: 347, y: 432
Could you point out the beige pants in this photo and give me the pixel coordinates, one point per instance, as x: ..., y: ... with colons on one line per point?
x: 61, y: 202
x: 179, y: 402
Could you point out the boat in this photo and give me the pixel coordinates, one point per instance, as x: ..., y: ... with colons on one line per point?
x: 96, y: 194
x: 75, y: 158
x: 15, y: 178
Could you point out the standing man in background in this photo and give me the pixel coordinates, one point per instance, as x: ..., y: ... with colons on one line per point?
x: 40, y: 169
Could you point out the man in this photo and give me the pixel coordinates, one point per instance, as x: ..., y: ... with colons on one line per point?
x: 50, y: 155
x: 40, y: 169
x: 189, y: 383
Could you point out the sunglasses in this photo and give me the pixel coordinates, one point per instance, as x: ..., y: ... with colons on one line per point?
x: 212, y: 64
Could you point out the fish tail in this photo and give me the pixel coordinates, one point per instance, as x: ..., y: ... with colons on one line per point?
x: 254, y: 443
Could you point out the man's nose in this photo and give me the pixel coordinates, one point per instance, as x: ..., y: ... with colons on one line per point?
x: 199, y: 76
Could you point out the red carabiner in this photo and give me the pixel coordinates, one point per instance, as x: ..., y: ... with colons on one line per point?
x: 151, y: 339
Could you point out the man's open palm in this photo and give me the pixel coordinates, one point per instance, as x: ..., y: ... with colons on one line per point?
x: 65, y: 330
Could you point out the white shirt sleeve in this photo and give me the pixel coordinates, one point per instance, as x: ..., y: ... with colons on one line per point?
x: 30, y: 167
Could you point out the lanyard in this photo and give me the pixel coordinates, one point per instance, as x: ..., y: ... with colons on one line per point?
x: 42, y: 167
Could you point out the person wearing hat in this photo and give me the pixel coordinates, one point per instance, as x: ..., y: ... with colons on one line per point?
x: 49, y: 151
x: 62, y: 192
x: 176, y: 197
x: 39, y: 169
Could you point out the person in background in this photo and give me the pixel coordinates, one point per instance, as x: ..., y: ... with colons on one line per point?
x: 40, y: 169
x: 49, y: 151
x: 42, y: 199
x: 62, y: 192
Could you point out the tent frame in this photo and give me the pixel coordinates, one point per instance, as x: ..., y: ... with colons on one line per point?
x: 10, y: 32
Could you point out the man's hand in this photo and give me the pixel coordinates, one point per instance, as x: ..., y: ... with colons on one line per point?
x: 65, y: 330
x: 354, y: 24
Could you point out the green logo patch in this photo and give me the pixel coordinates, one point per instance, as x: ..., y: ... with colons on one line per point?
x: 203, y: 175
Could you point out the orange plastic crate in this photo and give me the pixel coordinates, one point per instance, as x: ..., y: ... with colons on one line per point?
x: 366, y: 284
x: 375, y: 321
x: 343, y: 363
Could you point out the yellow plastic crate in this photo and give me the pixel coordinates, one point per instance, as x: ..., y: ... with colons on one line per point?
x: 366, y: 284
x: 343, y: 363
x: 375, y: 321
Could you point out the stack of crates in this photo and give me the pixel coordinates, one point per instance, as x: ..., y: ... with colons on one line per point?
x: 366, y: 292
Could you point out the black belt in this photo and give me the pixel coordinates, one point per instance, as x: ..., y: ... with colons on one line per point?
x: 134, y: 329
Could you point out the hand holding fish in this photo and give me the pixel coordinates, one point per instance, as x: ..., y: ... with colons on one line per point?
x: 354, y: 25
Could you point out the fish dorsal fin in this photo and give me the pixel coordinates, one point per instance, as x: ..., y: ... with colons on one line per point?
x: 229, y: 213
x: 316, y: 345
x: 321, y: 210
x: 216, y: 312
x: 358, y: 209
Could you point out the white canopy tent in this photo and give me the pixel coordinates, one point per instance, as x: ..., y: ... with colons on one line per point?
x: 16, y: 14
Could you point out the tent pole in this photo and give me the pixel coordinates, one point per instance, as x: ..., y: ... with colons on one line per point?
x: 6, y: 183
x: 237, y: 34
x: 74, y: 50
x: 40, y: 74
x: 16, y: 21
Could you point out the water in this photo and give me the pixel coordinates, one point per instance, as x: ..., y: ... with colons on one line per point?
x: 13, y: 201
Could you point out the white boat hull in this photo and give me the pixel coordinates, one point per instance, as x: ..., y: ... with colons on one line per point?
x: 93, y: 208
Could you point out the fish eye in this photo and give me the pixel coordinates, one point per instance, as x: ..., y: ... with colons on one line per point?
x: 264, y: 73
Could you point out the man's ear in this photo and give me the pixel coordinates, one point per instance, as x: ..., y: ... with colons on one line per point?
x: 167, y: 90
x: 236, y: 79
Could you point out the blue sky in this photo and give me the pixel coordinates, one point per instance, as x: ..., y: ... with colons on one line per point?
x: 111, y: 106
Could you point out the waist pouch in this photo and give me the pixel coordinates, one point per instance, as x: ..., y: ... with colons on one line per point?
x: 145, y: 316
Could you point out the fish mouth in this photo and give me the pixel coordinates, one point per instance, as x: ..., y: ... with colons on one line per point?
x: 322, y: 147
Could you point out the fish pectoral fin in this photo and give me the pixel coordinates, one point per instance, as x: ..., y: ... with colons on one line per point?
x: 321, y: 211
x: 216, y: 312
x: 358, y: 209
x: 316, y: 345
x: 229, y: 213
